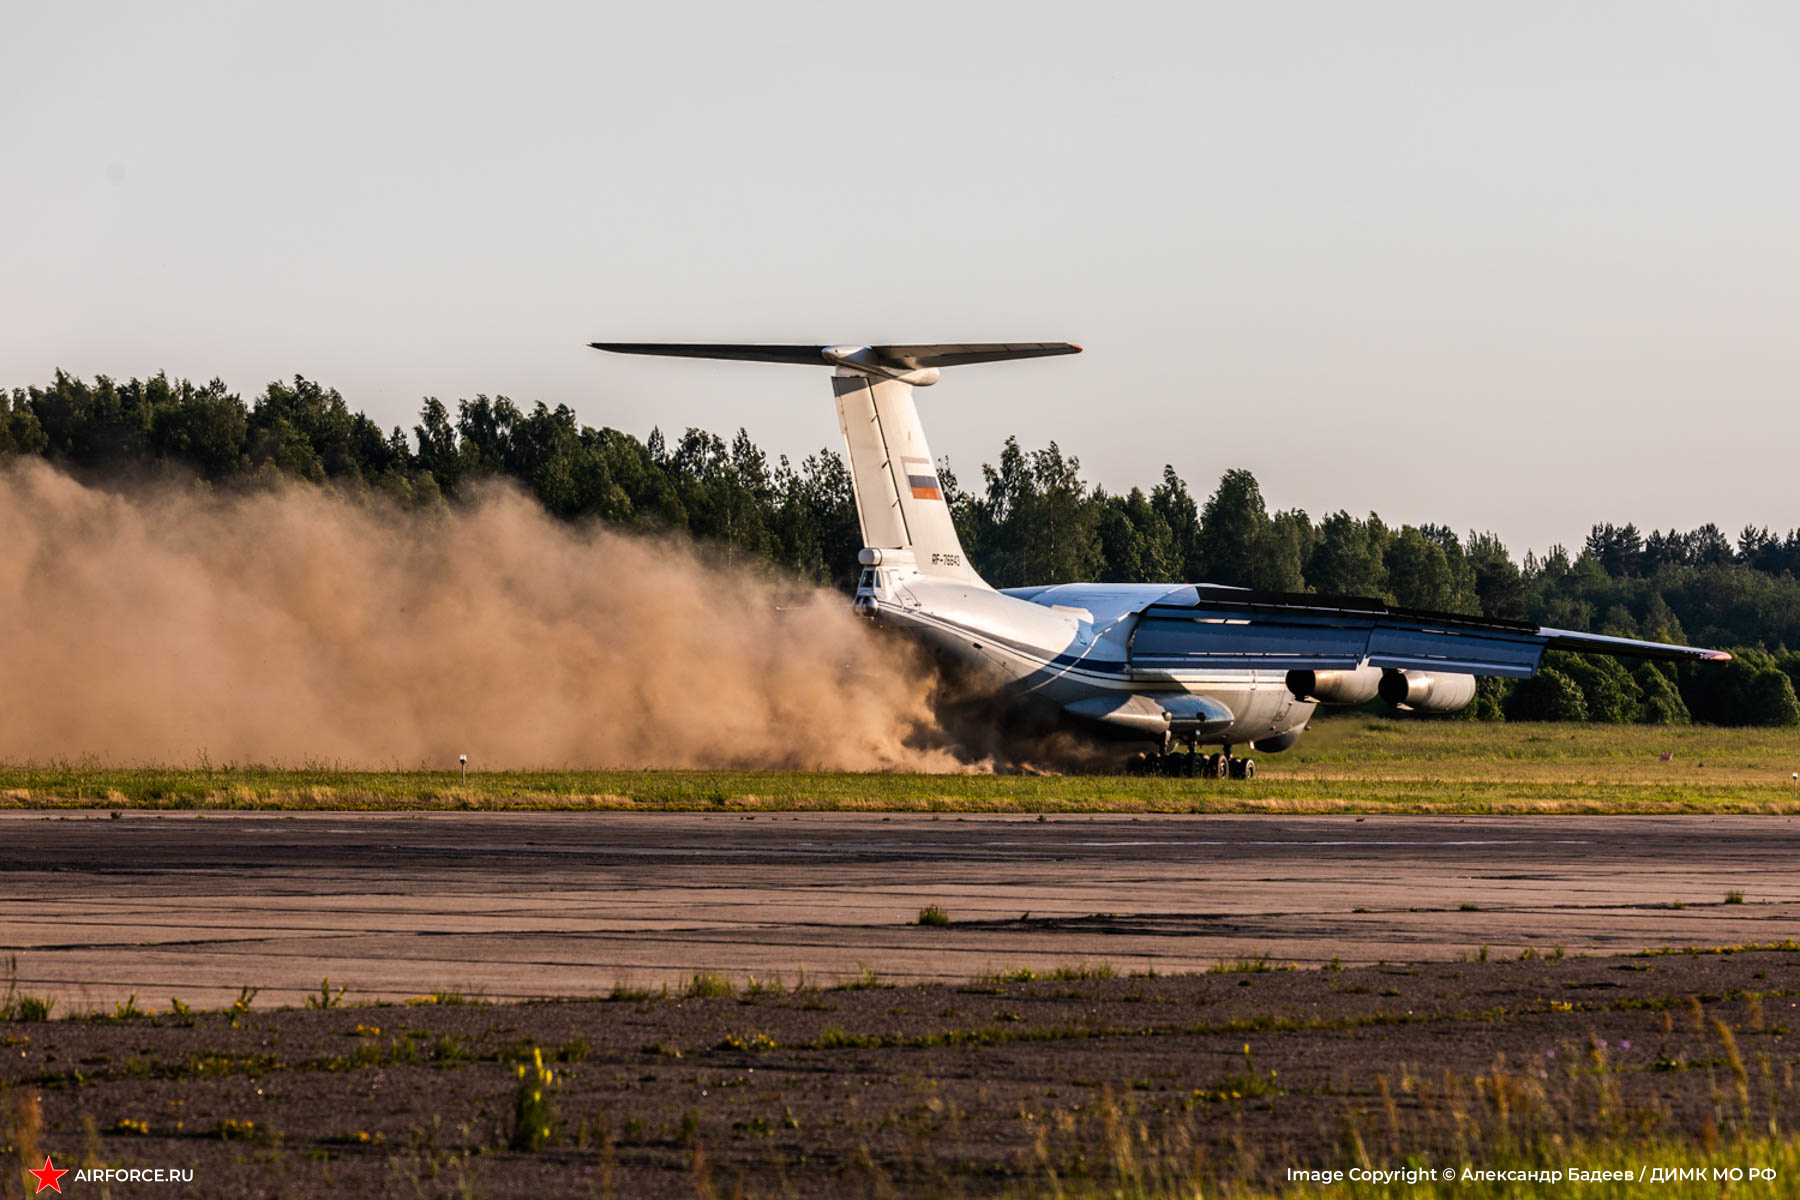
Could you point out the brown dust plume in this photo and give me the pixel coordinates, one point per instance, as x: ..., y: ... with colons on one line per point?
x: 298, y: 626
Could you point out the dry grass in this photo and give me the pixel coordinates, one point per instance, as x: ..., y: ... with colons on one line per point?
x: 1568, y: 1112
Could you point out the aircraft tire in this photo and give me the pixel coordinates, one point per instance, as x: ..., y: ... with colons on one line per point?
x: 1249, y: 769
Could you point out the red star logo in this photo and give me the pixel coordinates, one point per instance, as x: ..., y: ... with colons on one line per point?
x: 49, y: 1176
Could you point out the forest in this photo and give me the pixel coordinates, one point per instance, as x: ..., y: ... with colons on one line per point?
x: 1028, y: 518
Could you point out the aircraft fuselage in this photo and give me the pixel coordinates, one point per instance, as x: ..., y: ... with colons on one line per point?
x: 1069, y: 646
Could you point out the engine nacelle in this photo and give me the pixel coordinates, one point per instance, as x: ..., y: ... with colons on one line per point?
x: 1336, y: 687
x: 1427, y: 693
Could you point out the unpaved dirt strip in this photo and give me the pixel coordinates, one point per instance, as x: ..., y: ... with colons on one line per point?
x: 550, y: 904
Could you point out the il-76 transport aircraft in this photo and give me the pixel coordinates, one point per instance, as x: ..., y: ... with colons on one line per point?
x: 1171, y: 666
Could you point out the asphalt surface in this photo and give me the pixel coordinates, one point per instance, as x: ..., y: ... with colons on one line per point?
x: 536, y: 904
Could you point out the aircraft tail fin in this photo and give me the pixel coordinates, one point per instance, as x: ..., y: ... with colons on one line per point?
x: 899, y: 499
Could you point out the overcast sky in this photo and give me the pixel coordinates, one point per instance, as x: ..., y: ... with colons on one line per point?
x: 1518, y: 266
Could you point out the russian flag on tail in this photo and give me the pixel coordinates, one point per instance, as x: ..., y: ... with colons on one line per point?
x: 922, y: 479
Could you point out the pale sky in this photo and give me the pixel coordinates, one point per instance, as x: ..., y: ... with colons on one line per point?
x: 1518, y: 267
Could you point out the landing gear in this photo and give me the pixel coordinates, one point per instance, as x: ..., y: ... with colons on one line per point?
x: 1191, y: 764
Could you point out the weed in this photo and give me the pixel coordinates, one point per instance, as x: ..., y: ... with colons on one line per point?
x: 765, y: 985
x: 1734, y: 897
x: 1002, y: 975
x: 326, y: 998
x: 866, y: 980
x: 624, y: 991
x: 933, y: 914
x: 707, y: 985
x: 16, y: 1005
x: 1466, y: 906
x: 1242, y: 966
x: 533, y: 1114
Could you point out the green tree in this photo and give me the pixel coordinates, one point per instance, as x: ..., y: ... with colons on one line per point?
x: 1232, y: 526
x: 1547, y: 696
x: 1281, y: 551
x: 1136, y: 543
x: 1662, y: 704
x: 1499, y: 586
x: 1037, y: 522
x: 1771, y: 699
x: 1175, y: 505
x: 1608, y: 691
x: 1420, y: 574
x: 304, y: 429
x: 1347, y: 560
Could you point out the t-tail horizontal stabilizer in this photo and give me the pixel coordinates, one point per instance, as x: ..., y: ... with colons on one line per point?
x: 899, y: 502
x: 898, y: 357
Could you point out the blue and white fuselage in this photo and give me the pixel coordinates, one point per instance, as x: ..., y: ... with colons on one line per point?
x: 1069, y: 646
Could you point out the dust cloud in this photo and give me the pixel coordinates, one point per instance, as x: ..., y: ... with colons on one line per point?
x: 169, y: 625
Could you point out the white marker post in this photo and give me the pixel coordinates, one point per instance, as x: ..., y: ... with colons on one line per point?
x: 464, y: 760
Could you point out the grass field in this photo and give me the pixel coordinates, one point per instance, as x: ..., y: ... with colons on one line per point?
x: 1350, y: 764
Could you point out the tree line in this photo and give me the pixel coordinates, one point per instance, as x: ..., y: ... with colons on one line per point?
x: 1030, y: 518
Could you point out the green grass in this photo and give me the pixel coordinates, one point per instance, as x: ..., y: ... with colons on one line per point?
x: 1347, y: 764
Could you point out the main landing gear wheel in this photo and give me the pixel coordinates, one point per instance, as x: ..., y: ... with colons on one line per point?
x: 1190, y: 764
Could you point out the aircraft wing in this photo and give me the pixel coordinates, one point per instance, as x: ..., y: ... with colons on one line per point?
x: 1207, y: 626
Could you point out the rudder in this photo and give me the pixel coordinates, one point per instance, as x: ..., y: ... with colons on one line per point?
x: 899, y: 499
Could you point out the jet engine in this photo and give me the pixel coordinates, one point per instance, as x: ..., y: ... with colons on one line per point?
x: 1336, y: 687
x: 1423, y: 692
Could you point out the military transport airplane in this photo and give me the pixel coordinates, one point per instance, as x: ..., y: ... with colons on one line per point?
x: 1174, y: 666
